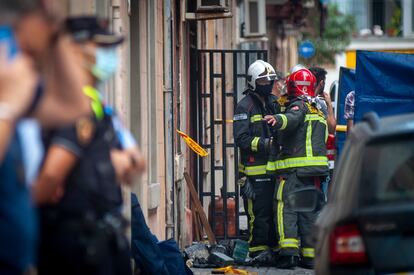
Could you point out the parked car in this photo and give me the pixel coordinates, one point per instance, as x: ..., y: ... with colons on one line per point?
x: 367, y: 226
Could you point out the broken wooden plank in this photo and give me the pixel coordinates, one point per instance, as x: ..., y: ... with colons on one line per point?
x: 197, y: 229
x: 199, y: 208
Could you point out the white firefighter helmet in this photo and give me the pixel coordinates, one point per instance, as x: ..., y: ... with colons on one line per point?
x: 259, y: 69
x: 296, y: 68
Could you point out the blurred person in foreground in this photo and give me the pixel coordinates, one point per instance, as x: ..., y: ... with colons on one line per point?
x: 82, y: 230
x: 41, y: 55
x: 324, y: 99
x: 48, y: 56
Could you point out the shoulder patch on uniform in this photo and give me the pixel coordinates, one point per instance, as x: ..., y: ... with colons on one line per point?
x: 282, y: 100
x: 242, y: 116
x: 85, y: 129
x: 313, y: 109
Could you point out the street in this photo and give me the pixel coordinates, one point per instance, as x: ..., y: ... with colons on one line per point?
x: 261, y: 271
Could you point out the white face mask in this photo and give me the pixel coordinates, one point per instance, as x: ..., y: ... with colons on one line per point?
x: 106, y: 63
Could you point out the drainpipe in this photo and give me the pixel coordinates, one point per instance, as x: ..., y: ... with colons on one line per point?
x: 169, y: 122
x: 120, y: 88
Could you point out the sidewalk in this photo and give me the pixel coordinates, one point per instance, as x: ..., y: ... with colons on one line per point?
x: 261, y: 271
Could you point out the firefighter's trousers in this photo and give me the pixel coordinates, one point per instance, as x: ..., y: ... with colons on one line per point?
x: 294, y: 229
x: 262, y: 232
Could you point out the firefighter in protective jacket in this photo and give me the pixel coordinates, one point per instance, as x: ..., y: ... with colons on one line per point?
x: 254, y: 138
x: 301, y: 162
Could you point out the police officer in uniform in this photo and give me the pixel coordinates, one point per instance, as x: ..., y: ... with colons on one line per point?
x: 255, y: 141
x: 82, y: 230
x: 302, y: 162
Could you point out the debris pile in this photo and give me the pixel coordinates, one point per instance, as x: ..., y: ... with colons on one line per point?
x: 223, y: 254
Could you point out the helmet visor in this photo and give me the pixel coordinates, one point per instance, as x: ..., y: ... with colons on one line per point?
x: 268, y: 77
x: 264, y: 81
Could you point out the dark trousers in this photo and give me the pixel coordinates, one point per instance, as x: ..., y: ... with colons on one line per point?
x: 294, y: 229
x: 260, y: 215
x: 70, y: 249
x: 8, y: 269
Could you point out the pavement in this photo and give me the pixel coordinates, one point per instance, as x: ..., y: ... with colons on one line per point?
x: 260, y: 271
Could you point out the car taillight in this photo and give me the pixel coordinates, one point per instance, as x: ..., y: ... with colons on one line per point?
x: 347, y: 246
x: 330, y: 154
x: 330, y: 147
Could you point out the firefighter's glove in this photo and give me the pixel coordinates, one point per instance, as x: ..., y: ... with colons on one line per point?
x: 246, y: 188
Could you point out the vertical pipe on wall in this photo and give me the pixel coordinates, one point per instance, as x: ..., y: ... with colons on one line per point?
x: 121, y: 91
x: 169, y: 122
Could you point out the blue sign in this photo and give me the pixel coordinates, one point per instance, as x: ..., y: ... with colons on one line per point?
x: 306, y: 49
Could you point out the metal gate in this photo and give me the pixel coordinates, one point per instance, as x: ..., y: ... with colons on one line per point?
x: 221, y: 79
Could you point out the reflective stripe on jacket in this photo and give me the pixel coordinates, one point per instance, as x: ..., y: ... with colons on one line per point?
x: 303, y: 135
x: 251, y: 133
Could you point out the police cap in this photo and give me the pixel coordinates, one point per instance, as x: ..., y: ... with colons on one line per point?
x: 91, y: 28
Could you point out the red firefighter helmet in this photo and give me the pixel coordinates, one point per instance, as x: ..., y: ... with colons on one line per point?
x: 301, y: 82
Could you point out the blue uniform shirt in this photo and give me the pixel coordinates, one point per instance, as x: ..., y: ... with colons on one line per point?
x: 31, y: 143
x: 124, y: 137
x: 18, y: 229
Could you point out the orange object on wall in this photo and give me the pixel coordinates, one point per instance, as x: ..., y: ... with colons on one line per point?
x: 219, y: 217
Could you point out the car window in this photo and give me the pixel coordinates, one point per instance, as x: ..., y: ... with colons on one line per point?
x: 388, y: 171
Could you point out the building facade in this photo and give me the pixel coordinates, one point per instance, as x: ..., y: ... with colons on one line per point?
x: 385, y: 25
